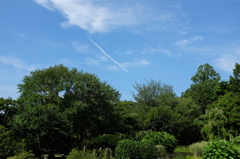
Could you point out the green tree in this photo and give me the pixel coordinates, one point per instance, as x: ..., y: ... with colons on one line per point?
x: 234, y: 82
x: 7, y: 111
x: 147, y: 93
x: 69, y: 97
x: 6, y: 142
x: 213, y: 124
x: 204, y: 87
x: 230, y: 104
x: 44, y: 128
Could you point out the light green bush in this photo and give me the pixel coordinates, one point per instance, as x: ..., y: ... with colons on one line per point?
x: 162, y: 138
x: 23, y: 155
x: 221, y: 149
x: 198, y: 148
x: 91, y: 154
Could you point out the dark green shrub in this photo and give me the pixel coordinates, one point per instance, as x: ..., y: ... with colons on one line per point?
x: 128, y: 149
x: 141, y: 134
x: 146, y: 150
x: 125, y: 149
x: 162, y: 138
x: 106, y: 141
x: 221, y: 149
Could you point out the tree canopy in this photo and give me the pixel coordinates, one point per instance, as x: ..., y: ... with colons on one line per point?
x: 61, y: 108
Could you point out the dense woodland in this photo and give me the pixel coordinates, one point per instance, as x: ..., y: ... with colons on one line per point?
x: 60, y: 109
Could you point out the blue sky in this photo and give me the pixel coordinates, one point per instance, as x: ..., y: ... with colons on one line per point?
x: 122, y: 42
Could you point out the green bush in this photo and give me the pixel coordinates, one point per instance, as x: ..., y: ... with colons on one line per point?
x: 128, y: 149
x: 146, y: 150
x: 198, y: 148
x: 162, y: 138
x: 221, y: 149
x: 141, y: 134
x: 23, y: 155
x: 236, y: 140
x: 125, y: 149
x: 93, y: 154
x: 106, y: 141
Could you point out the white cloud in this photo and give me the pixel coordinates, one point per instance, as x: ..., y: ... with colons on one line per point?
x: 103, y: 16
x: 186, y: 42
x: 227, y: 61
x: 15, y: 62
x: 160, y: 50
x: 90, y: 15
x: 82, y: 48
x: 136, y: 63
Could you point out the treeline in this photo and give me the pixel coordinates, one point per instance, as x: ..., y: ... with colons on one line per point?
x: 60, y: 109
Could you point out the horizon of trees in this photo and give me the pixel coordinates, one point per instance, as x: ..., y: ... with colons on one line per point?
x: 60, y: 108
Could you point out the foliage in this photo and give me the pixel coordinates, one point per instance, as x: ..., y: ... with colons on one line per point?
x: 141, y: 134
x: 162, y: 138
x: 125, y: 149
x: 128, y: 149
x: 213, y: 124
x: 87, y: 154
x: 45, y: 128
x: 186, y: 157
x: 6, y: 142
x: 236, y: 140
x: 147, y: 93
x: 230, y: 104
x: 182, y: 149
x: 106, y: 141
x: 23, y: 155
x: 204, y: 87
x: 198, y: 148
x: 221, y: 149
x: 57, y: 103
x: 7, y: 111
x: 234, y: 81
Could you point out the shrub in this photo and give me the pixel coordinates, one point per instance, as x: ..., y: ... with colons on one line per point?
x: 162, y: 138
x: 106, y: 141
x: 161, y: 151
x: 128, y: 149
x: 198, y: 148
x: 236, y: 140
x: 125, y: 149
x: 221, y: 149
x: 146, y: 150
x: 141, y: 134
x: 23, y: 155
x: 87, y: 154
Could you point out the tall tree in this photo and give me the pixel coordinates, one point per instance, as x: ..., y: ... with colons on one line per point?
x: 230, y: 104
x: 65, y: 96
x: 8, y: 109
x: 148, y: 93
x: 204, y: 87
x: 234, y: 82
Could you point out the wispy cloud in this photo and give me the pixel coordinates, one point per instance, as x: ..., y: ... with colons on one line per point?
x: 108, y: 56
x: 136, y: 63
x: 15, y: 62
x: 160, y: 50
x: 103, y: 16
x: 90, y: 15
x: 187, y: 42
x: 227, y: 61
x: 81, y: 47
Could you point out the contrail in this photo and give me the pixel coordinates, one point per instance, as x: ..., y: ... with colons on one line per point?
x: 107, y: 54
